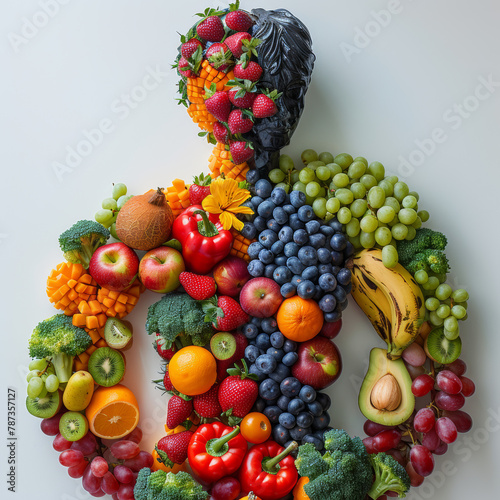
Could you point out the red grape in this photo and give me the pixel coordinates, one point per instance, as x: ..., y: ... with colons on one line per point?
x: 415, y: 371
x: 126, y: 492
x: 462, y: 420
x: 99, y: 466
x: 109, y: 483
x: 414, y: 355
x: 369, y: 444
x: 415, y: 479
x: 87, y: 444
x: 90, y: 483
x: 68, y: 458
x: 468, y: 387
x: 123, y: 449
x: 422, y: 385
x: 135, y: 435
x: 448, y: 382
x: 422, y: 460
x: 372, y: 428
x: 77, y: 470
x: 446, y: 430
x: 458, y: 367
x: 50, y: 426
x: 450, y: 402
x: 123, y: 474
x: 61, y: 444
x: 431, y: 440
x: 424, y: 420
x: 227, y: 488
x: 98, y: 493
x: 398, y: 456
x: 386, y: 440
x: 143, y: 459
x: 441, y: 449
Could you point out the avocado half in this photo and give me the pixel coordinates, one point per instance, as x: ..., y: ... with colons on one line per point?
x: 401, y: 405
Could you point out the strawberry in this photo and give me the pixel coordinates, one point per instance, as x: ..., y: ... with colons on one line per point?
x: 221, y: 133
x: 238, y: 392
x: 239, y: 353
x: 264, y: 105
x: 235, y: 43
x: 189, y: 48
x: 241, y: 98
x: 219, y: 56
x: 178, y: 410
x: 217, y: 103
x: 184, y: 68
x: 239, y: 121
x: 211, y: 29
x: 225, y: 313
x: 238, y: 20
x: 241, y: 151
x: 207, y: 405
x: 197, y: 286
x: 160, y: 344
x: 166, y: 380
x: 199, y: 189
x: 172, y: 449
x: 252, y: 71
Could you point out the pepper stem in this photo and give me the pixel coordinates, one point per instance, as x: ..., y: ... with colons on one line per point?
x: 269, y: 465
x: 205, y: 226
x: 216, y: 445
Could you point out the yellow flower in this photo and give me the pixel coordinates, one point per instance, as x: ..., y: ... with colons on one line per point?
x: 225, y: 199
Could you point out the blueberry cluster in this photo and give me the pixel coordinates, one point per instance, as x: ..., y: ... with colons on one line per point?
x: 296, y: 412
x: 304, y: 255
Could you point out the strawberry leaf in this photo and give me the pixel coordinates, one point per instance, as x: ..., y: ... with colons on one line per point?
x: 163, y: 457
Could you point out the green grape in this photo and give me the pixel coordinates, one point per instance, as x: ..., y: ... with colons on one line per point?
x: 407, y: 216
x: 376, y: 169
x: 322, y: 192
x: 367, y: 240
x: 284, y: 186
x: 443, y: 291
x: 414, y: 194
x: 387, y: 187
x: 119, y: 189
x: 285, y: 163
x: 358, y: 207
x: 421, y: 277
x: 358, y: 190
x: 376, y: 197
x: 294, y: 177
x: 102, y: 216
x: 109, y: 204
x: 440, y: 277
x: 443, y: 311
x: 276, y: 175
x: 356, y: 169
x: 112, y: 230
x: 38, y: 364
x: 306, y: 175
x: 326, y: 157
x: 341, y: 180
x: 344, y: 195
x: 392, y: 179
x: 43, y: 392
x: 31, y: 374
x: 431, y: 284
x: 362, y: 159
x: 424, y: 215
x: 385, y: 214
x: 308, y: 155
x: 393, y: 222
x: 312, y: 189
x: 52, y: 383
x: 122, y: 200
x: 399, y: 231
x: 329, y: 216
x: 344, y: 215
x: 315, y: 164
x: 383, y: 236
x: 451, y: 335
x: 35, y: 387
x: 389, y: 256
x: 457, y: 311
x: 409, y: 201
x: 400, y: 190
x: 418, y: 223
x: 323, y: 173
x: 412, y: 232
x: 309, y: 199
x: 352, y: 228
x: 319, y: 207
x: 334, y: 169
x: 44, y: 377
x: 451, y: 323
x: 435, y: 319
x: 356, y: 243
x: 390, y: 201
x: 431, y: 304
x: 333, y: 205
x: 299, y: 186
x: 344, y: 160
x: 368, y: 181
x: 368, y: 224
x: 50, y: 370
x: 460, y: 295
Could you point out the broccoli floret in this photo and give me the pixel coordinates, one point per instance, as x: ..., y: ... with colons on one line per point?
x: 81, y: 240
x: 434, y: 260
x: 390, y: 475
x: 58, y: 339
x: 179, y: 315
x: 141, y: 484
x: 309, y: 462
x: 160, y: 485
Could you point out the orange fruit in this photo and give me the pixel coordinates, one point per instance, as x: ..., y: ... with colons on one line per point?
x: 255, y: 427
x: 161, y: 466
x: 299, y: 319
x: 192, y: 370
x: 298, y: 491
x: 113, y: 412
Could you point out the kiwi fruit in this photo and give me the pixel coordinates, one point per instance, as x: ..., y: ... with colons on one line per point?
x: 440, y: 349
x: 223, y: 345
x: 44, y: 407
x: 117, y: 334
x: 73, y: 425
x: 106, y: 366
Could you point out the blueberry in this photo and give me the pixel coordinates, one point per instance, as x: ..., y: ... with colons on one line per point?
x: 343, y: 305
x: 271, y: 402
x: 338, y: 242
x: 318, y: 293
x: 313, y: 226
x: 297, y: 198
x: 314, y: 440
x: 252, y: 352
x: 259, y: 405
x: 254, y: 249
x: 269, y: 389
x: 280, y: 260
x: 287, y: 420
x: 289, y: 209
x: 286, y: 234
x: 282, y: 275
x: 280, y: 215
x: 335, y: 270
x: 349, y: 250
x: 290, y: 345
x: 262, y: 341
x: 263, y: 188
x: 310, y: 273
x: 305, y: 213
x: 295, y: 406
x: 324, y: 268
x: 333, y: 316
x: 252, y: 176
x: 337, y: 258
x: 266, y: 363
x: 298, y: 433
x: 255, y: 268
x: 269, y: 270
x: 296, y: 280
x: 256, y: 321
x: 253, y: 369
x: 327, y: 303
x: 340, y: 294
x: 260, y: 223
x: 304, y: 419
x: 278, y: 195
x: 250, y: 330
x: 327, y: 230
x: 300, y: 237
x: 290, y: 358
x: 294, y: 265
x: 283, y: 402
x: 344, y: 276
x: 317, y: 240
x: 267, y: 238
x: 277, y: 339
x: 324, y: 399
x: 288, y: 290
x: 280, y: 373
x: 315, y: 408
x: 249, y: 231
x: 348, y: 287
x: 327, y: 282
x: 291, y: 249
x: 269, y: 325
x: 321, y: 421
x: 256, y: 201
x: 306, y: 289
x: 290, y: 387
x: 266, y: 256
x: 308, y: 394
x: 280, y: 434
x: 295, y: 223
x: 308, y: 255
x: 272, y: 413
x: 274, y: 226
x: 335, y: 225
x: 277, y: 354
x: 324, y: 256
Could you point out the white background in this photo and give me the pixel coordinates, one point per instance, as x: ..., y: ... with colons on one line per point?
x: 65, y: 76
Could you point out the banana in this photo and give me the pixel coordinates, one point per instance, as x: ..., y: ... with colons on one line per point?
x: 391, y: 299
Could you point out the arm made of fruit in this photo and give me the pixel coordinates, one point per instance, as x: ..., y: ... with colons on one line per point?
x: 204, y: 241
x: 216, y: 451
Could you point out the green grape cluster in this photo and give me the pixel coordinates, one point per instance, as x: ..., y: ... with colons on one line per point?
x: 111, y: 206
x: 376, y: 210
x: 41, y: 378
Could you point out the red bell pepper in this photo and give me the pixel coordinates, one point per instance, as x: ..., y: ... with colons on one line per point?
x: 203, y: 239
x: 269, y: 471
x: 215, y: 451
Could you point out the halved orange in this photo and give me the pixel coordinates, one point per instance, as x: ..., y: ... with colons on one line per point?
x: 113, y: 412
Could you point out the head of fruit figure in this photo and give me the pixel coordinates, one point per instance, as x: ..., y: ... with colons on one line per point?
x: 287, y: 60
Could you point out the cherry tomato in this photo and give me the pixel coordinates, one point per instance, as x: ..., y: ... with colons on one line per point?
x: 255, y: 428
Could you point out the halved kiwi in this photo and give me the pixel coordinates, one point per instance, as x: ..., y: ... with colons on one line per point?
x: 440, y: 349
x: 117, y: 334
x: 223, y: 345
x: 106, y: 366
x: 73, y: 425
x: 45, y: 407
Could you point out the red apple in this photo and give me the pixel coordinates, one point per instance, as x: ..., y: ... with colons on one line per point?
x: 114, y: 266
x: 331, y: 330
x: 230, y: 275
x: 319, y: 363
x: 260, y: 297
x: 159, y: 269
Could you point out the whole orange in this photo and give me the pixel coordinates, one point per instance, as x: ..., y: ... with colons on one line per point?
x: 299, y: 319
x: 192, y: 370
